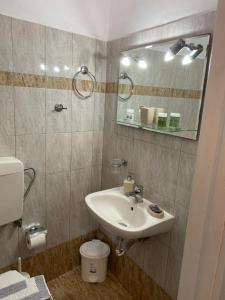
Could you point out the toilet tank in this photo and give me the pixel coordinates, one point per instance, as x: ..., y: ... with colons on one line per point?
x: 11, y: 189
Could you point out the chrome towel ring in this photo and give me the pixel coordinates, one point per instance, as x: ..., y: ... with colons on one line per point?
x: 125, y: 76
x: 84, y: 71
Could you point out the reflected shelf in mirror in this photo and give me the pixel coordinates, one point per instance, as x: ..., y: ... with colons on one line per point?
x: 154, y: 128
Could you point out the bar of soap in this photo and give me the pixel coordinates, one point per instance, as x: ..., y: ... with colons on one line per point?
x: 155, y: 211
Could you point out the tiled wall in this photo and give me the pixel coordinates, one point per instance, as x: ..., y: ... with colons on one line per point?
x: 64, y: 148
x: 163, y: 164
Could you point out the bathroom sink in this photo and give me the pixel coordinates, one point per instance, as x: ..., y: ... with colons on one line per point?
x: 123, y: 217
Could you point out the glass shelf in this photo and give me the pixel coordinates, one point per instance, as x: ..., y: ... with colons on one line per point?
x: 166, y: 130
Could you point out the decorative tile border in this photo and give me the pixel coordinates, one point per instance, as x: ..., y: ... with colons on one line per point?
x: 142, y: 90
x: 51, y: 82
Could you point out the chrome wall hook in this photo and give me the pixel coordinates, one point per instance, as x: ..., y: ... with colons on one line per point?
x: 117, y: 162
x: 59, y: 107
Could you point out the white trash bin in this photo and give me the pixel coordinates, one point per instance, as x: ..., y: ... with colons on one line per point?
x: 94, y: 261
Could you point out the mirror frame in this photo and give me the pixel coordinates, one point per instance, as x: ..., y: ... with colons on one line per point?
x: 209, y: 50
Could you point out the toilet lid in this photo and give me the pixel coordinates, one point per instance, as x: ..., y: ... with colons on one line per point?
x: 94, y: 249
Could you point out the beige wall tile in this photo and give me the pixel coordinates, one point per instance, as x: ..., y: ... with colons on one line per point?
x: 97, y: 147
x: 28, y: 47
x: 173, y: 273
x: 99, y: 111
x: 58, y: 208
x: 179, y: 229
x: 58, y: 121
x: 96, y: 178
x: 189, y: 146
x: 7, y: 145
x: 110, y: 178
x: 84, y: 52
x: 157, y: 169
x: 30, y: 149
x: 82, y: 113
x: 80, y: 221
x: 58, y: 152
x: 101, y: 61
x: 29, y: 110
x: 185, y: 178
x: 9, y: 244
x: 6, y: 62
x: 58, y: 53
x: 155, y: 260
x: 82, y: 144
x: 7, y: 126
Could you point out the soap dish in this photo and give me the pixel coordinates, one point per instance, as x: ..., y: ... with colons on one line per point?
x: 155, y: 211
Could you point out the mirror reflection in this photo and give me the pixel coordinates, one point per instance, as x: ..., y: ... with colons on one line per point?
x: 161, y: 86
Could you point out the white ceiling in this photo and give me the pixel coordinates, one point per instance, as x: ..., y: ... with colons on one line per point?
x: 104, y: 19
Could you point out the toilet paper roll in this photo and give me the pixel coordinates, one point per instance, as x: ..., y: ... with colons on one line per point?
x: 35, y: 240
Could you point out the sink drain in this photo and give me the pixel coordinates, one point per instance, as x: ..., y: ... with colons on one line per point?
x: 123, y: 224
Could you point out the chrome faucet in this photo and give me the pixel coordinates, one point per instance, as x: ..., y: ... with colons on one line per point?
x: 137, y: 193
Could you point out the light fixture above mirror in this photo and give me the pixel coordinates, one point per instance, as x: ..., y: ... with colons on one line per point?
x: 193, y: 51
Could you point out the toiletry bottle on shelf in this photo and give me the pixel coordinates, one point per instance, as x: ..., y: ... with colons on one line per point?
x: 174, y: 121
x: 128, y: 184
x: 162, y: 120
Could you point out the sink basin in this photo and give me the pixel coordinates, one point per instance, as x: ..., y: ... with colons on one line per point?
x: 119, y: 215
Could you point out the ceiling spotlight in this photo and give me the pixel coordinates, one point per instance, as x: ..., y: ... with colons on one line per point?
x: 149, y: 46
x: 174, y: 49
x: 125, y: 61
x: 142, y: 64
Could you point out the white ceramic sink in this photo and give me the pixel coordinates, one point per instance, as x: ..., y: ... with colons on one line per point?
x: 123, y: 217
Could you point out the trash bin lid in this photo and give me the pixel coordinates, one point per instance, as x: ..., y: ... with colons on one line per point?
x: 94, y: 249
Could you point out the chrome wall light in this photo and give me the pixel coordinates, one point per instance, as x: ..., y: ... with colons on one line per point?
x: 174, y: 49
x: 194, y: 53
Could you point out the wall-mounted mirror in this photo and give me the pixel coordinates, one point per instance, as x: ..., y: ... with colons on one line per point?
x: 161, y: 86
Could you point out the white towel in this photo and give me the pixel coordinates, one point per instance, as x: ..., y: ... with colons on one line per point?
x: 14, y: 286
x: 10, y: 283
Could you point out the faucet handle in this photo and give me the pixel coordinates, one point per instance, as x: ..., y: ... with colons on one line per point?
x: 138, y: 189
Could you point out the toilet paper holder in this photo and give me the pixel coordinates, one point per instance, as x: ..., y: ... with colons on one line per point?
x: 34, y: 229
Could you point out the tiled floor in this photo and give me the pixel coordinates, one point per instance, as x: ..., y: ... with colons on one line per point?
x: 70, y: 286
